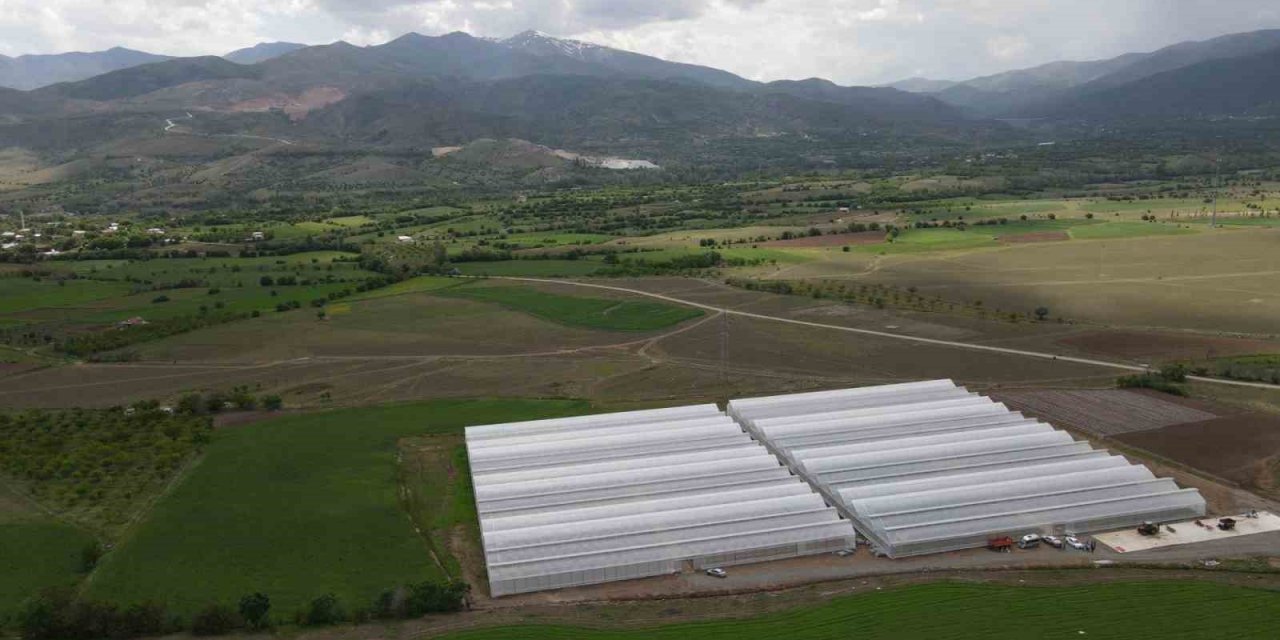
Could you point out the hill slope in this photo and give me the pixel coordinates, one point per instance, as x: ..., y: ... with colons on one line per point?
x: 35, y: 71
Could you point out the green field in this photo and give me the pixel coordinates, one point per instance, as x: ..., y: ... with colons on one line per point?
x: 593, y: 313
x: 295, y: 507
x: 1126, y: 230
x: 24, y: 294
x: 947, y: 610
x: 420, y: 284
x: 533, y: 268
x: 36, y: 551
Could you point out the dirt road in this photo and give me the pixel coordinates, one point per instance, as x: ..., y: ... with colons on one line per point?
x: 885, y: 334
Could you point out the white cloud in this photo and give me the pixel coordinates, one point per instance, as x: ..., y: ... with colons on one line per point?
x: 850, y: 41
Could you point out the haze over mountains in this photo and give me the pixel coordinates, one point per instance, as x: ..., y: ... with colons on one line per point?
x: 417, y: 92
x: 1091, y: 87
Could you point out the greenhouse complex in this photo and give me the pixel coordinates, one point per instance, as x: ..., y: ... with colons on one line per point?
x: 914, y: 468
x: 926, y: 467
x: 628, y: 495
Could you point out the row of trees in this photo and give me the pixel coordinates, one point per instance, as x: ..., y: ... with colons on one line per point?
x: 60, y: 614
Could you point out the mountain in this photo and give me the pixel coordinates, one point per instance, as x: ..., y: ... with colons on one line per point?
x: 147, y: 78
x: 883, y: 103
x: 262, y: 51
x: 922, y: 85
x: 1242, y: 86
x: 417, y: 92
x: 35, y: 71
x: 1042, y: 88
x: 623, y: 62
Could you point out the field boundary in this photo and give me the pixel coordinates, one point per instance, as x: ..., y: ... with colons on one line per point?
x: 886, y: 334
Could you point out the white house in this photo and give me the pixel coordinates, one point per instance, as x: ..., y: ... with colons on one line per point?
x: 405, y: 239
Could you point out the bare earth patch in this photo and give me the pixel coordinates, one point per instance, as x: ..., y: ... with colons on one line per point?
x: 1166, y: 346
x: 838, y: 240
x: 1240, y: 448
x: 1103, y: 412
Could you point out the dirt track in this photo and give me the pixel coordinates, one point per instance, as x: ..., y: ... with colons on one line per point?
x: 886, y: 334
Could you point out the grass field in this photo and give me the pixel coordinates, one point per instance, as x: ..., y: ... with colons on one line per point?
x: 420, y: 284
x: 37, y: 551
x: 947, y: 610
x: 592, y: 313
x: 533, y: 268
x: 1217, y: 280
x: 23, y: 294
x: 295, y: 507
x: 1126, y: 230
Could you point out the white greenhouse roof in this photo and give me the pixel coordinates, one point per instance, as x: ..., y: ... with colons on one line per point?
x: 928, y: 466
x: 625, y: 495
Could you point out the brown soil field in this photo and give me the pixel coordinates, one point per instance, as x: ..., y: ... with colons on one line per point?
x: 1243, y: 448
x: 1103, y: 412
x: 1166, y: 346
x: 838, y: 240
x: 1042, y: 236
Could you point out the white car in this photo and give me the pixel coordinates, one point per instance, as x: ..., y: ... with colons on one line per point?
x: 1053, y: 541
x: 1028, y: 541
x: 1076, y: 543
x: 717, y: 573
x: 845, y: 553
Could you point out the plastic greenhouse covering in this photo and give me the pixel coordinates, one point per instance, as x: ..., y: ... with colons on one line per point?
x: 928, y: 467
x: 590, y: 499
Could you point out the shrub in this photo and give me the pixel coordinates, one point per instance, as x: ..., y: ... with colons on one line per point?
x: 254, y: 609
x: 324, y: 610
x: 1152, y: 381
x: 272, y: 402
x: 160, y: 298
x: 90, y: 555
x: 214, y: 620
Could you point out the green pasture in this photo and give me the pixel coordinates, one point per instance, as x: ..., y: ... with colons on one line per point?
x: 592, y: 313
x: 24, y: 294
x: 533, y: 268
x: 1126, y: 230
x: 1124, y: 611
x: 295, y: 507
x: 420, y: 284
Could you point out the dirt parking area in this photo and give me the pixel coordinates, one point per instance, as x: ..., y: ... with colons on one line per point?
x: 1179, y: 533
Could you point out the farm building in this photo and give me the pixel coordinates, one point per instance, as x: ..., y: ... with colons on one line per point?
x: 925, y: 467
x: 592, y: 499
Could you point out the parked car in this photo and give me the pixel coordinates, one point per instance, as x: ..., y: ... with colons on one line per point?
x: 1053, y: 541
x: 717, y: 573
x: 1076, y: 543
x: 1028, y: 541
x: 845, y: 553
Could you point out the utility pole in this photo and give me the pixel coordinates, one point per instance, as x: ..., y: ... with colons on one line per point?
x: 1213, y: 221
x: 724, y: 352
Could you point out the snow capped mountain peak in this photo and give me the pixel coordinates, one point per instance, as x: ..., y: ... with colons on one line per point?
x: 539, y: 43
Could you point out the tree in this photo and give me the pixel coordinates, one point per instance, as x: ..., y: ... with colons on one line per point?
x: 254, y: 609
x: 323, y: 611
x: 1042, y: 313
x: 191, y: 404
x: 266, y: 281
x: 272, y: 402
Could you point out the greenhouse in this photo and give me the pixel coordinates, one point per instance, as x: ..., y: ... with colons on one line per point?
x: 628, y: 495
x: 925, y: 467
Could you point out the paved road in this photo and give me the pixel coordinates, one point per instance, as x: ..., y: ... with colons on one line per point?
x: 886, y: 334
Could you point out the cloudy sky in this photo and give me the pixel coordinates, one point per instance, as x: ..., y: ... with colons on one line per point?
x: 849, y: 41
